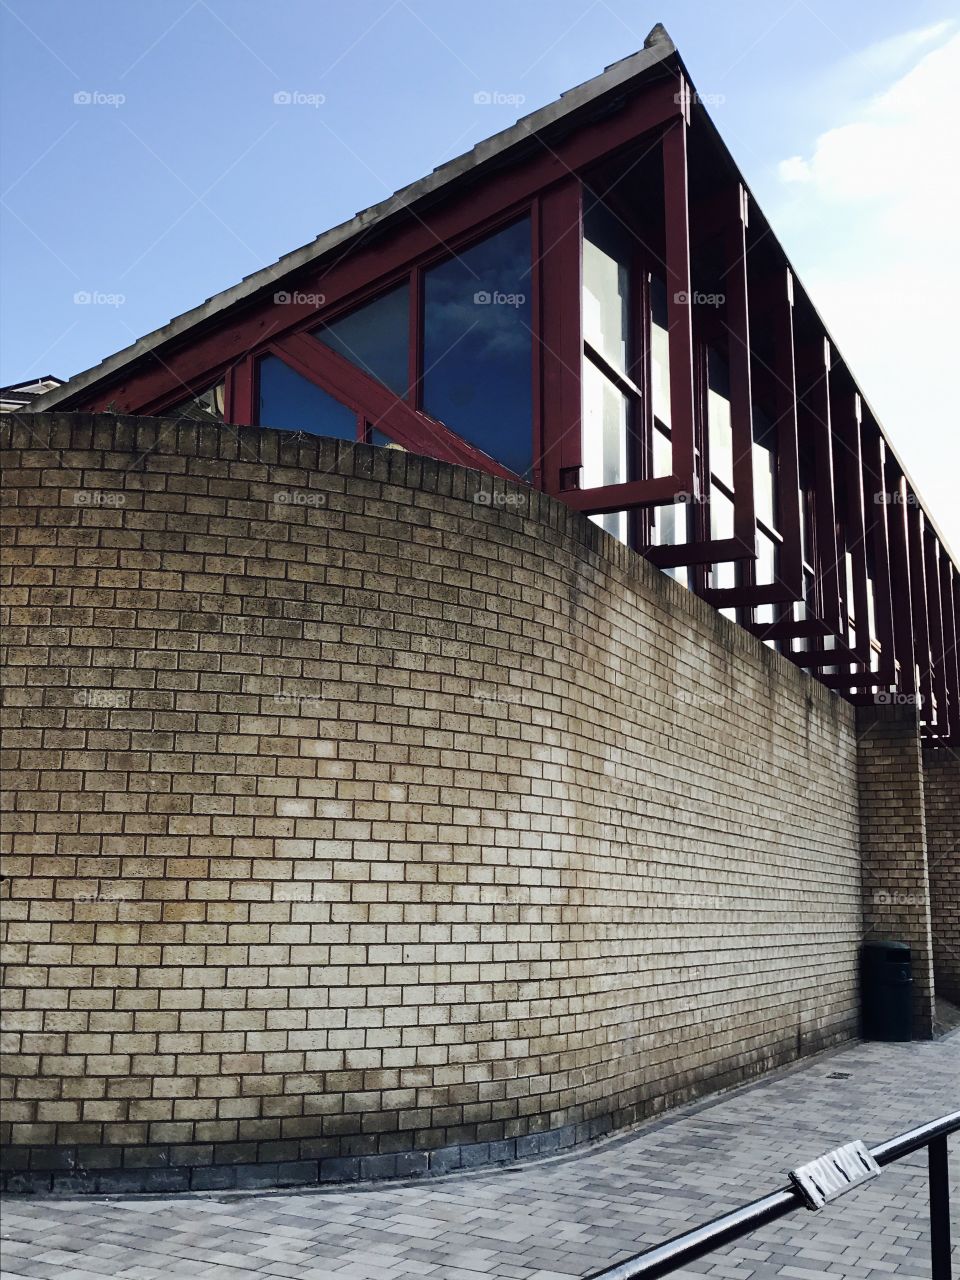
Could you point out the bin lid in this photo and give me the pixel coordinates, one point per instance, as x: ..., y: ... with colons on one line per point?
x: 886, y: 950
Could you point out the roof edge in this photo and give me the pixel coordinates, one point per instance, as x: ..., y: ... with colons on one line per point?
x: 657, y: 47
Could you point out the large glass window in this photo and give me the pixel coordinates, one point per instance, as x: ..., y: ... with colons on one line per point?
x: 477, y: 346
x: 294, y: 403
x: 376, y: 338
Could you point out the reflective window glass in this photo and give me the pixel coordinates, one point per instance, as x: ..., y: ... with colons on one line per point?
x: 294, y: 403
x: 718, y: 418
x: 659, y: 357
x: 721, y: 514
x: 604, y: 441
x: 768, y: 553
x: 383, y: 441
x: 477, y: 347
x: 606, y: 284
x: 375, y: 337
x: 764, y: 469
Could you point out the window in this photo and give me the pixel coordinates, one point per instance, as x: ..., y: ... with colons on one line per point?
x: 608, y: 391
x: 376, y: 338
x: 671, y: 524
x: 208, y: 406
x: 769, y: 539
x: 294, y: 403
x: 478, y: 349
x: 381, y: 440
x: 720, y: 455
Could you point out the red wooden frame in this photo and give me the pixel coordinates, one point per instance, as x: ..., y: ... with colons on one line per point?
x: 861, y: 499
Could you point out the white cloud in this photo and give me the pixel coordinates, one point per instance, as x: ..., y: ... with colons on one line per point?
x: 873, y: 215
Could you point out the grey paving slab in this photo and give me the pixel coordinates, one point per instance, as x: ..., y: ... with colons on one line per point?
x: 556, y: 1219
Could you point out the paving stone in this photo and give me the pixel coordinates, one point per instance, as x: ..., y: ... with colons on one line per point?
x: 548, y: 1219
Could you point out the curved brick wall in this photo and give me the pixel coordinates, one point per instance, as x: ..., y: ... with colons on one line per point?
x: 370, y: 816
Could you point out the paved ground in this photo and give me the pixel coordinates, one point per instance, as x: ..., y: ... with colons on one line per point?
x: 556, y: 1219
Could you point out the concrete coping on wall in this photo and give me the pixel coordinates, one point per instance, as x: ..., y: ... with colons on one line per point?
x: 244, y: 449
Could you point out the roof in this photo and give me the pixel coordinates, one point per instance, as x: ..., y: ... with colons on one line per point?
x: 658, y: 57
x: 27, y: 388
x: 499, y: 149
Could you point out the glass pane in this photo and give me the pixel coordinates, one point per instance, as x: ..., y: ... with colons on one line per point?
x: 375, y: 337
x: 764, y: 469
x: 478, y: 353
x: 671, y: 523
x: 383, y: 441
x: 724, y: 574
x: 659, y: 358
x: 766, y: 565
x: 205, y: 407
x: 294, y: 403
x: 721, y: 515
x: 718, y: 418
x: 604, y: 441
x: 606, y: 283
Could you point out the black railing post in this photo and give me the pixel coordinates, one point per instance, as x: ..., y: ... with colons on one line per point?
x: 939, y: 1168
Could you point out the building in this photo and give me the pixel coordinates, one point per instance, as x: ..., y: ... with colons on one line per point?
x: 379, y: 813
x: 20, y: 395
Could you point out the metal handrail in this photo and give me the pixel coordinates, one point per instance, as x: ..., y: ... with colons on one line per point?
x: 667, y: 1257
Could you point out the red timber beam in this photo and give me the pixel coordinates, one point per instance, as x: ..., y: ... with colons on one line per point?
x: 774, y: 304
x: 813, y: 420
x: 561, y: 287
x: 918, y: 605
x: 374, y: 260
x: 937, y: 631
x: 845, y: 416
x: 879, y: 513
x: 901, y: 575
x: 742, y: 545
x: 683, y: 482
x: 950, y: 588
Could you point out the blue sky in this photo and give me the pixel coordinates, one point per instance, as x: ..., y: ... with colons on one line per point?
x: 183, y: 174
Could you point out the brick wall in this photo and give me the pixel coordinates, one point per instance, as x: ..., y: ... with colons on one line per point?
x: 368, y: 816
x: 896, y: 895
x: 941, y: 783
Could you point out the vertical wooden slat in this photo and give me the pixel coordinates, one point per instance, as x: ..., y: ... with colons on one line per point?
x: 938, y: 671
x: 878, y: 515
x: 679, y: 312
x: 918, y: 602
x: 951, y: 619
x: 901, y: 584
x: 561, y: 234
x: 814, y: 407
x: 738, y: 354
x: 239, y: 405
x: 788, y: 458
x: 847, y: 419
